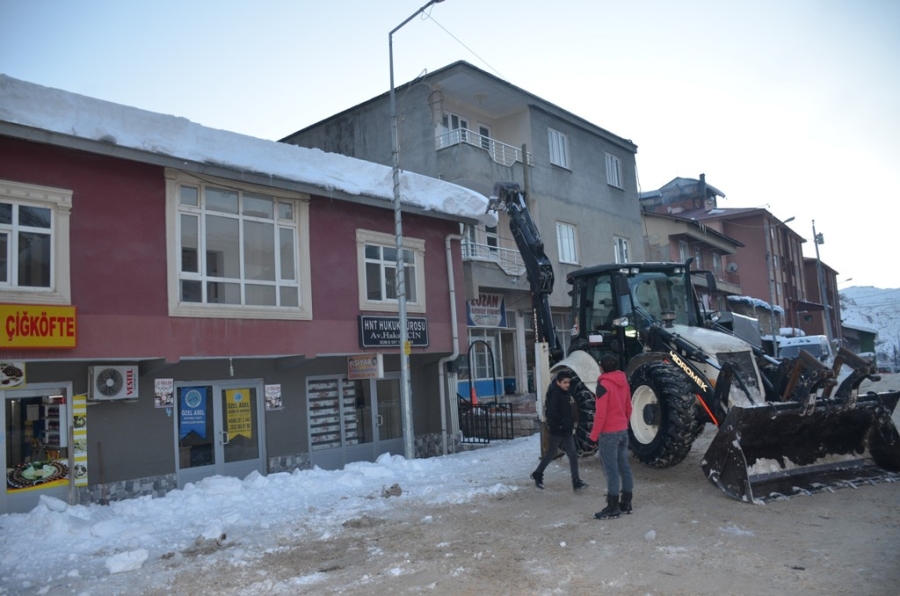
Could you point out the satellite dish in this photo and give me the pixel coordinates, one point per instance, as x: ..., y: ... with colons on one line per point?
x: 732, y: 267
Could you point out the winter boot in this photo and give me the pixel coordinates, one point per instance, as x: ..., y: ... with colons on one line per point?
x: 579, y: 483
x: 611, y: 510
x: 538, y: 480
x: 625, y: 503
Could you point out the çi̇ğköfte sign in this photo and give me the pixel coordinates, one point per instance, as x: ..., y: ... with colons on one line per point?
x: 38, y: 326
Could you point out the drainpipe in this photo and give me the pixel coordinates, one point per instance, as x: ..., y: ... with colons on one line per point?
x: 453, y: 328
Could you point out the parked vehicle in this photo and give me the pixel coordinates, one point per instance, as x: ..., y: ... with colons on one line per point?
x: 817, y: 345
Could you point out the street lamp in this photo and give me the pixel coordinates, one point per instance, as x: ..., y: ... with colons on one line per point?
x: 771, y: 271
x: 405, y: 390
x: 819, y: 239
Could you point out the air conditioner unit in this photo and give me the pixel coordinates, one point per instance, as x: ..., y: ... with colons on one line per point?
x: 112, y: 382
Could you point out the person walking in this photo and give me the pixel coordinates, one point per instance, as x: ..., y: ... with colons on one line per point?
x: 561, y: 426
x: 610, y: 431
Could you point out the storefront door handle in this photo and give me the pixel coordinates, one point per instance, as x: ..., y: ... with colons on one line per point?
x: 224, y: 437
x: 380, y: 420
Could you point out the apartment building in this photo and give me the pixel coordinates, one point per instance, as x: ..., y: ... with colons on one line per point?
x: 467, y: 126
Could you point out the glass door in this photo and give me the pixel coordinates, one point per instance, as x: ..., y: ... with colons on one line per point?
x: 218, y: 431
x: 240, y: 430
x: 389, y: 424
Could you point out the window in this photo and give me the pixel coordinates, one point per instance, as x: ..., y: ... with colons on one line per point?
x: 454, y: 128
x: 239, y: 251
x: 613, y: 171
x: 491, y: 238
x: 621, y: 250
x: 559, y: 151
x: 565, y: 239
x: 698, y: 258
x: 717, y: 262
x: 377, y: 271
x: 34, y: 243
x: 682, y: 251
x: 484, y: 132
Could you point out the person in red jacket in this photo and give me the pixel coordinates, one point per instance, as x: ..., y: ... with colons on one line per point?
x: 610, y: 430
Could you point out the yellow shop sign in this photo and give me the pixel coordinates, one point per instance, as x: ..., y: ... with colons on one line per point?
x: 38, y: 326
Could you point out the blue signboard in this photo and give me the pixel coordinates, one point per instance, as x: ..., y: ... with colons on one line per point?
x: 192, y: 415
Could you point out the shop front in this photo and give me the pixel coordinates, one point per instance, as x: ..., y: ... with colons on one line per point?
x: 353, y: 420
x: 37, y: 448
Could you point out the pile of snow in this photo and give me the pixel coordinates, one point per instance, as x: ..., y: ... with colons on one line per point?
x: 256, y: 515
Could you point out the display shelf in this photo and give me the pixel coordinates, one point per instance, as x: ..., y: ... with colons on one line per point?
x: 55, y: 435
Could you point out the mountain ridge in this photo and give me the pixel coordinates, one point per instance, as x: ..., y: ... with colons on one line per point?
x: 874, y: 309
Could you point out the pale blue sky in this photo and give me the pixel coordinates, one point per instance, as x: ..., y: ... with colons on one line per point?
x: 794, y: 104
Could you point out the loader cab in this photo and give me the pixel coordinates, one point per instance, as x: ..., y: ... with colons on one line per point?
x: 613, y: 304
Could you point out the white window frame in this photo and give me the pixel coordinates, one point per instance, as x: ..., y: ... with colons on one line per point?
x: 613, y: 171
x: 683, y: 250
x: 417, y: 246
x: 559, y: 148
x: 698, y: 257
x: 448, y: 127
x: 174, y: 180
x: 487, y: 139
x: 621, y: 249
x: 59, y: 202
x: 567, y: 242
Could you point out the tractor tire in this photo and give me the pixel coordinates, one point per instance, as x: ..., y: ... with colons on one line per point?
x: 664, y: 421
x: 584, y: 417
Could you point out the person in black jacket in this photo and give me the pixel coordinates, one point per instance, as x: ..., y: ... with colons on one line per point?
x: 561, y: 426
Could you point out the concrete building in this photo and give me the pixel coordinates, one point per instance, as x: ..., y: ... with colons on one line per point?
x: 466, y: 126
x: 764, y: 272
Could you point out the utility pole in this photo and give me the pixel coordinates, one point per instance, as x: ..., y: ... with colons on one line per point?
x: 829, y: 328
x: 405, y: 385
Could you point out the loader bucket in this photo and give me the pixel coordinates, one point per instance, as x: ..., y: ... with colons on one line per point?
x: 774, y: 450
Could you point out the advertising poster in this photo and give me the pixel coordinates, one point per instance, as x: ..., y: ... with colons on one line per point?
x: 239, y: 414
x: 79, y: 441
x: 164, y: 393
x: 273, y: 397
x: 365, y: 366
x: 192, y: 413
x: 12, y: 375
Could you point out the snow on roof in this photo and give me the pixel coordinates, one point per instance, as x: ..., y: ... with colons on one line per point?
x: 66, y: 113
x: 756, y: 302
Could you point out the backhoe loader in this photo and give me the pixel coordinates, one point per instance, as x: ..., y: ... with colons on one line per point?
x: 783, y: 426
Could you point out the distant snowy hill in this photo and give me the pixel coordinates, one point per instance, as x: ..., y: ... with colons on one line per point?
x: 874, y: 308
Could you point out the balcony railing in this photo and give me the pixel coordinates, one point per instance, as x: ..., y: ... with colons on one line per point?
x: 499, y: 152
x: 510, y: 261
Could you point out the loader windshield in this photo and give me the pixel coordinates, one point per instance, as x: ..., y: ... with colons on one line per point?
x: 658, y: 297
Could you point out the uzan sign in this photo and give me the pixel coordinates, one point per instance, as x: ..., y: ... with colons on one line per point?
x: 488, y: 310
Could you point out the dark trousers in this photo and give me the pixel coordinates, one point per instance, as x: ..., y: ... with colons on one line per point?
x: 554, y: 444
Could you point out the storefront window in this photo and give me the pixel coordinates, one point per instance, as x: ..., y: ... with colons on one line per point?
x: 37, y: 455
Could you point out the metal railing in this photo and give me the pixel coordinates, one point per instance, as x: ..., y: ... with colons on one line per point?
x: 483, y: 423
x: 499, y: 152
x: 510, y: 261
